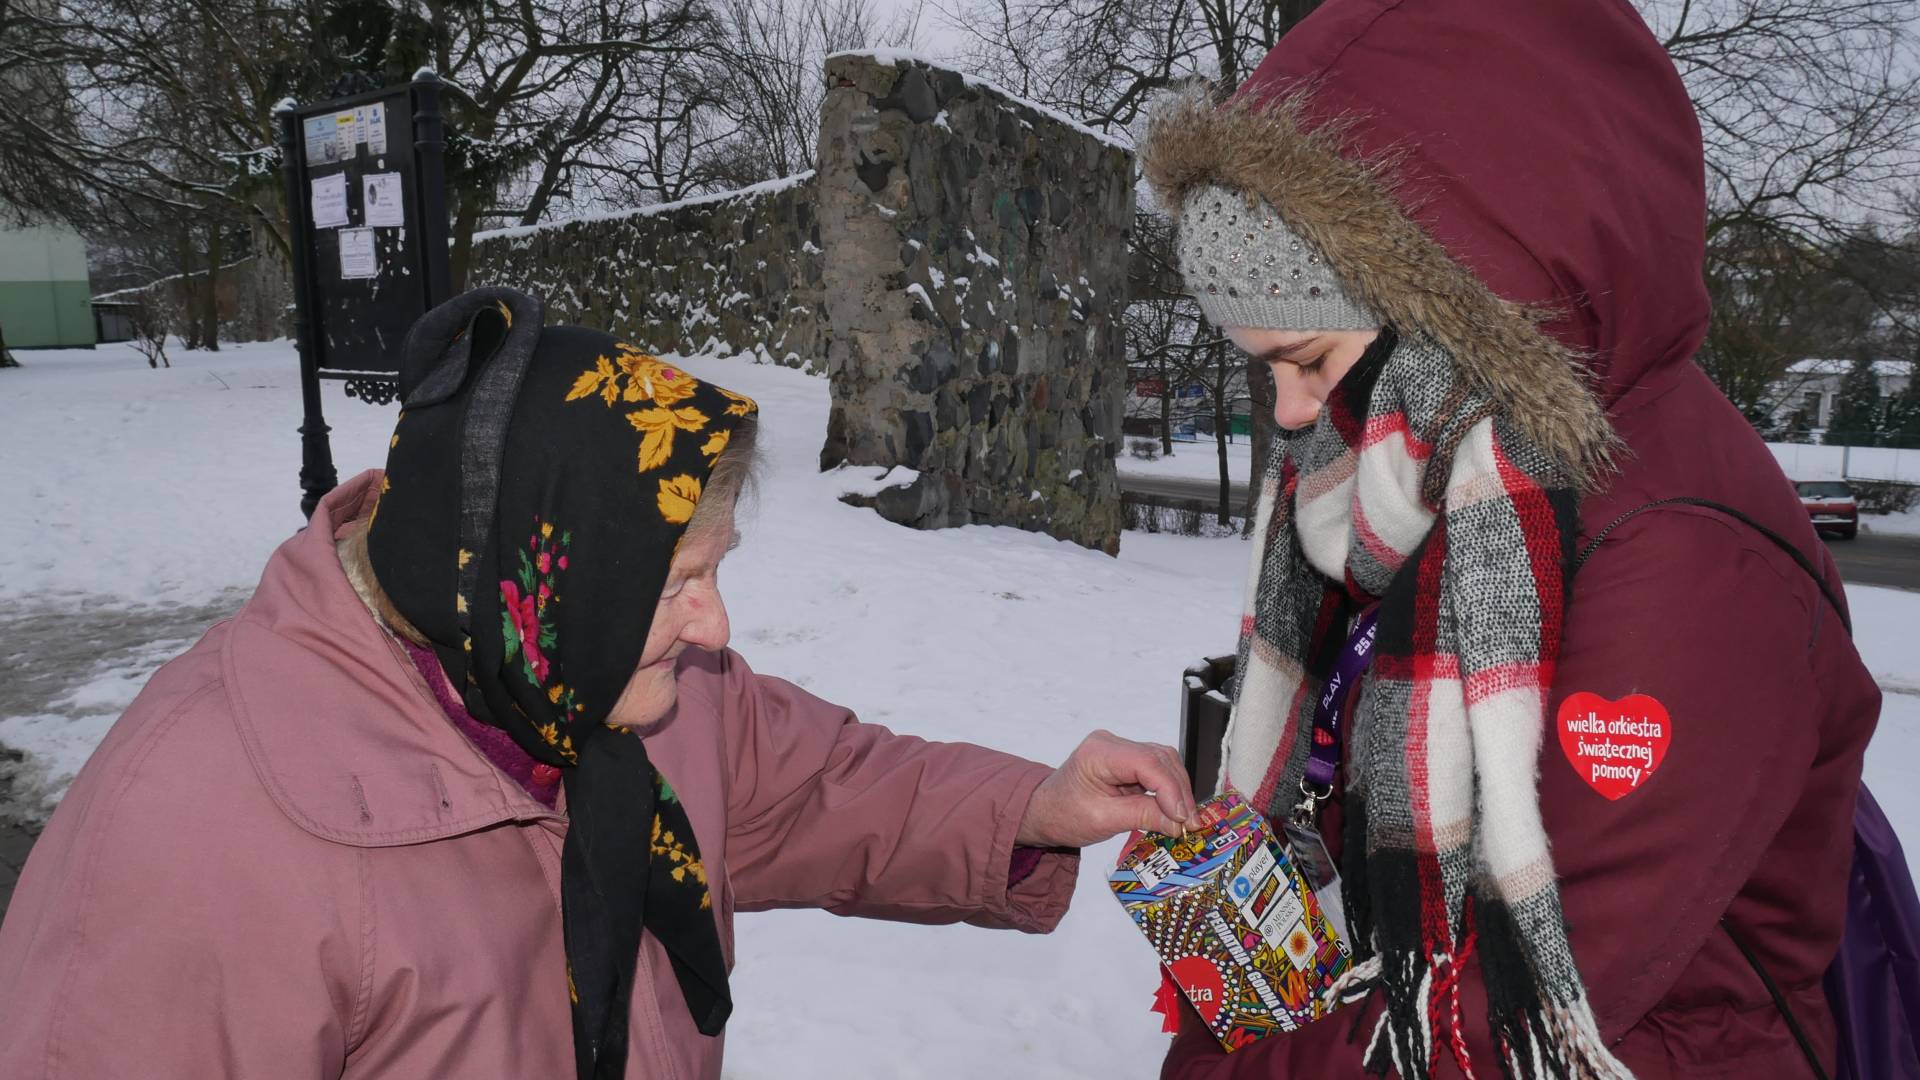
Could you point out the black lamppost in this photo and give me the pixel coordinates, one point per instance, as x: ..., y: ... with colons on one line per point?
x: 317, y: 474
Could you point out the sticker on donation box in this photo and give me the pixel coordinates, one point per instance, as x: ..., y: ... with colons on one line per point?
x: 1615, y: 746
x: 380, y: 200
x: 357, y: 256
x: 1237, y: 927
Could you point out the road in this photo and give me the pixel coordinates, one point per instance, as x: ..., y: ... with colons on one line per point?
x: 1175, y: 487
x: 1892, y: 561
x: 1871, y: 559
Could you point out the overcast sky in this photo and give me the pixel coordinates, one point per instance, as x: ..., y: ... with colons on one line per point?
x: 935, y: 34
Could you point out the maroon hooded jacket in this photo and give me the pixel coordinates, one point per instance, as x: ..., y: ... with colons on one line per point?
x: 1550, y: 149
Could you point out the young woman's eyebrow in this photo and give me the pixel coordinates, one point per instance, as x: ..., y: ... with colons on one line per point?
x: 1286, y: 353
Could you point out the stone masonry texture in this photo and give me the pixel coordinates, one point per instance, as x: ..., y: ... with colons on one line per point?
x: 975, y: 272
x: 956, y: 266
x: 740, y: 272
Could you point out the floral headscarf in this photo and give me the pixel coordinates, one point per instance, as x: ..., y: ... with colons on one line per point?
x: 538, y: 483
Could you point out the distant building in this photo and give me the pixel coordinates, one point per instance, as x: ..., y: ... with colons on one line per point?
x: 1806, y: 396
x: 1188, y: 413
x: 44, y: 295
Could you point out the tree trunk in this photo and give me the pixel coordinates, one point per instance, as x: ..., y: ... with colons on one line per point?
x: 1222, y: 420
x: 1166, y: 409
x: 6, y: 357
x: 180, y: 290
x: 1260, y: 389
x: 465, y: 219
x: 210, y: 293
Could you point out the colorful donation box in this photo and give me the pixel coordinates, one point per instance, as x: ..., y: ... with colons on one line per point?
x: 1236, y: 924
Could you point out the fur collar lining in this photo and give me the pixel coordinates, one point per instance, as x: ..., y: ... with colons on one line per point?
x: 1346, y: 208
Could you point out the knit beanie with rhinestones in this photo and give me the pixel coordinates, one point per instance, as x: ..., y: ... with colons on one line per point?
x: 1247, y: 268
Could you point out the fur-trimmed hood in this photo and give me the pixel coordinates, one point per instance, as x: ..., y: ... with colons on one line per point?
x: 1522, y: 181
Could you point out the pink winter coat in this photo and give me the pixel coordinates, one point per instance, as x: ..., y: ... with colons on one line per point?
x: 285, y: 861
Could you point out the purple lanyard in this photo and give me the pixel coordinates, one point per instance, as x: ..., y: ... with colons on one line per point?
x: 1330, y: 711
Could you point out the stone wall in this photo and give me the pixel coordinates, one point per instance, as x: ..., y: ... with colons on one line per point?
x: 975, y: 278
x: 739, y: 271
x: 957, y: 266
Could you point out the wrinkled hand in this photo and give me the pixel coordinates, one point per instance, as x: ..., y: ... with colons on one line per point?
x: 1107, y: 786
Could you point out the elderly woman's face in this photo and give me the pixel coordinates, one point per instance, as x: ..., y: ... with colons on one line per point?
x: 1306, y: 366
x: 690, y: 613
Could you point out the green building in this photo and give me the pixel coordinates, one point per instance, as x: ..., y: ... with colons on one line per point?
x: 44, y: 297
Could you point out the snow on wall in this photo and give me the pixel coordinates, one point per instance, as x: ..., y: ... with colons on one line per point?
x: 751, y: 191
x: 907, y: 57
x: 736, y: 271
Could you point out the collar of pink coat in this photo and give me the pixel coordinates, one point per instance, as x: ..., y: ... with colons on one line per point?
x: 340, y: 728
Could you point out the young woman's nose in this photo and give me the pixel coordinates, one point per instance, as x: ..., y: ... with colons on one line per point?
x: 1293, y: 407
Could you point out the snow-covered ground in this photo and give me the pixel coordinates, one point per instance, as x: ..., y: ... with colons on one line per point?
x: 1193, y: 460
x: 143, y: 503
x: 1884, y: 628
x: 1903, y: 524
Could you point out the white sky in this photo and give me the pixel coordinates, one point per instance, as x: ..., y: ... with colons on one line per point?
x: 935, y: 34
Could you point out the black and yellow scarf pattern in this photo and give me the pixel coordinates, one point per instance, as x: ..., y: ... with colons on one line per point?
x: 538, y: 483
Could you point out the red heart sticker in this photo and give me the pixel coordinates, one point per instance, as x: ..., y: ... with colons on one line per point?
x: 1200, y: 979
x: 1166, y: 1002
x: 1615, y: 746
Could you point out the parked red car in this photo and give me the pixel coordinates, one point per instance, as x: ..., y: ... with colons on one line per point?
x: 1831, y: 505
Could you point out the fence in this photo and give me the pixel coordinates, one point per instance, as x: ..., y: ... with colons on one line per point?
x: 1140, y: 512
x: 1805, y: 462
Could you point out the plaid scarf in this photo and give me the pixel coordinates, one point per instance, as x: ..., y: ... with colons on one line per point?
x: 1414, y: 491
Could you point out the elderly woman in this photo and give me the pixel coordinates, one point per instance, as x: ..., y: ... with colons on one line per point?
x: 472, y: 786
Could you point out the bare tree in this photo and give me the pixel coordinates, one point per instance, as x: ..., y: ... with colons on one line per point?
x: 150, y: 112
x: 1104, y: 61
x: 1774, y: 301
x: 772, y: 64
x: 1154, y: 348
x: 1810, y: 111
x: 563, y: 93
x: 1198, y: 372
x: 169, y: 122
x: 1192, y: 376
x: 154, y: 129
x: 152, y: 321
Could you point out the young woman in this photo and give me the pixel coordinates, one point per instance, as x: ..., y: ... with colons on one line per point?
x: 1466, y: 237
x: 472, y: 786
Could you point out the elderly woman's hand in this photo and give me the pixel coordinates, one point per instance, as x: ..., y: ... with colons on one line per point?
x: 1108, y: 785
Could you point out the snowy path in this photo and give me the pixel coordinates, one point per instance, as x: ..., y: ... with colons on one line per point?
x: 151, y: 499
